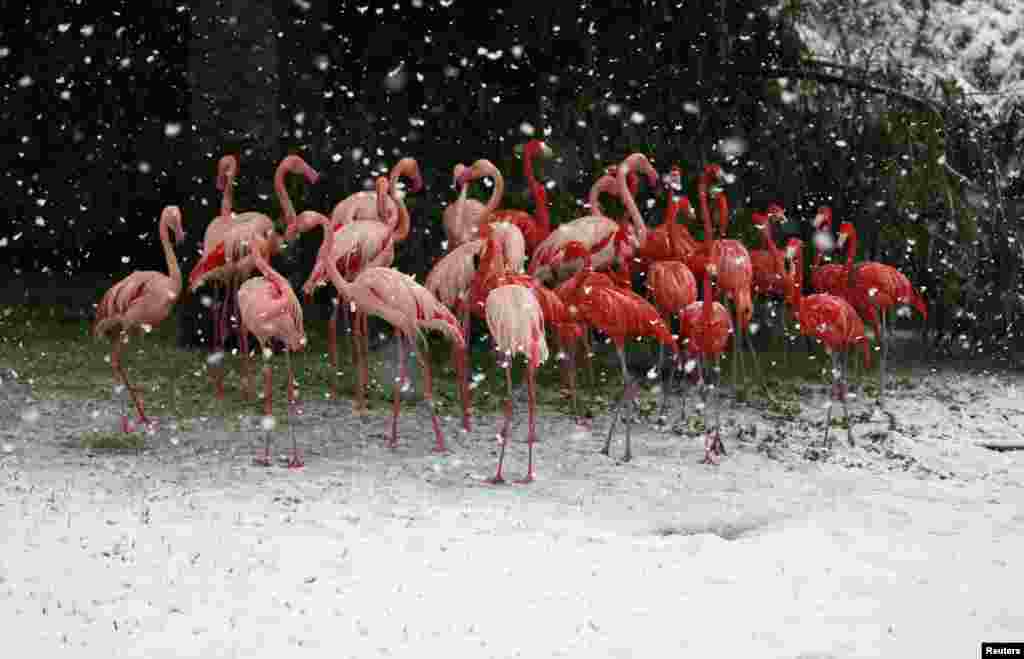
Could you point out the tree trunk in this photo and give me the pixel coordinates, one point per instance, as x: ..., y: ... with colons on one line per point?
x: 232, y: 73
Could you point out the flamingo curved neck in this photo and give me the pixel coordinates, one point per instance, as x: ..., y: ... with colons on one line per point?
x: 282, y: 193
x: 173, y: 269
x: 541, y: 208
x: 851, y: 247
x: 630, y: 204
x: 496, y: 194
x: 227, y: 202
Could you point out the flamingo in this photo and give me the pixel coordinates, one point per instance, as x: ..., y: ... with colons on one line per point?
x: 410, y: 309
x: 230, y: 263
x: 619, y: 314
x: 735, y: 271
x: 138, y: 303
x: 659, y: 245
x: 461, y: 217
x: 535, y: 228
x: 492, y: 272
x: 355, y: 246
x: 604, y: 238
x: 834, y: 322
x: 825, y: 277
x: 269, y: 310
x: 672, y: 286
x: 516, y: 323
x: 450, y: 280
x: 386, y: 207
x: 706, y: 326
x: 227, y: 171
x: 873, y: 289
x: 768, y: 264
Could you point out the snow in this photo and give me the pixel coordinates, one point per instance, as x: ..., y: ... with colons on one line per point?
x: 951, y: 41
x: 907, y: 544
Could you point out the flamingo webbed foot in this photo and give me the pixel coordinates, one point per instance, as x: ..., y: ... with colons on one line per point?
x: 262, y: 458
x: 496, y: 480
x: 296, y: 461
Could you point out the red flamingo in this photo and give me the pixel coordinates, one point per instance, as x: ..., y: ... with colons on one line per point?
x: 659, y: 245
x: 834, y: 322
x: 269, y: 310
x: 604, y: 238
x: 735, y: 271
x: 535, y: 228
x: 825, y: 277
x: 410, y: 309
x: 619, y: 314
x: 388, y: 208
x: 873, y: 289
x: 673, y: 287
x: 706, y: 327
x: 228, y: 261
x: 769, y: 265
x: 138, y: 303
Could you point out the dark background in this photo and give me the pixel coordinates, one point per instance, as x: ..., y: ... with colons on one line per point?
x: 113, y: 111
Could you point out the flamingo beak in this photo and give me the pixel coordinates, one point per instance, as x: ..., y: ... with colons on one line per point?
x: 546, y: 150
x: 842, y: 240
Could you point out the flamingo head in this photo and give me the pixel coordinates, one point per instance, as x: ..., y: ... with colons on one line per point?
x: 171, y: 216
x: 792, y: 248
x: 227, y: 169
x: 674, y: 179
x: 759, y: 220
x: 294, y: 164
x: 845, y: 231
x: 823, y: 219
x: 775, y: 212
x: 536, y: 148
x: 463, y: 175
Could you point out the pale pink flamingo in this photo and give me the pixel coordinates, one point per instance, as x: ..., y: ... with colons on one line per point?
x: 138, y: 303
x: 269, y: 309
x: 450, y: 279
x: 373, y: 205
x: 606, y: 241
x: 516, y: 322
x: 409, y: 308
x: 228, y: 261
x: 462, y: 217
x: 835, y: 323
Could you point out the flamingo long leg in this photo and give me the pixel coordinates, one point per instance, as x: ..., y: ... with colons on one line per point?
x: 399, y: 383
x: 844, y: 394
x: 832, y: 396
x: 628, y: 391
x: 332, y: 348
x: 428, y: 396
x: 268, y: 408
x: 116, y: 359
x: 467, y: 395
x: 503, y: 433
x: 296, y: 460
x: 531, y: 437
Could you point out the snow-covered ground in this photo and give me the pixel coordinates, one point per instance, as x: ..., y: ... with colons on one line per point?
x: 909, y: 544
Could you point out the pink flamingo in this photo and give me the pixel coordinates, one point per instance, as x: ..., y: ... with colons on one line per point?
x: 227, y: 172
x: 604, y: 238
x: 873, y: 289
x: 535, y: 228
x: 270, y: 310
x: 410, y: 309
x: 619, y: 314
x: 230, y: 262
x: 835, y: 323
x: 450, y: 281
x: 373, y: 205
x: 516, y: 322
x: 462, y: 217
x: 138, y: 303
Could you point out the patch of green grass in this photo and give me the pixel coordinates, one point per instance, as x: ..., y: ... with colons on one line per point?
x: 110, y: 441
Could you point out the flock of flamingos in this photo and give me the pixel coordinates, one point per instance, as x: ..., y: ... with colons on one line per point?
x: 578, y: 279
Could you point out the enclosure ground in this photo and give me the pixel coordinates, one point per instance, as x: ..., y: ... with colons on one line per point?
x: 909, y: 542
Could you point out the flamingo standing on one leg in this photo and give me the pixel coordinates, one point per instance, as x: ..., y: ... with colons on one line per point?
x: 834, y: 322
x: 619, y: 314
x: 230, y: 262
x: 873, y: 289
x: 409, y: 308
x: 139, y: 302
x: 269, y: 309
